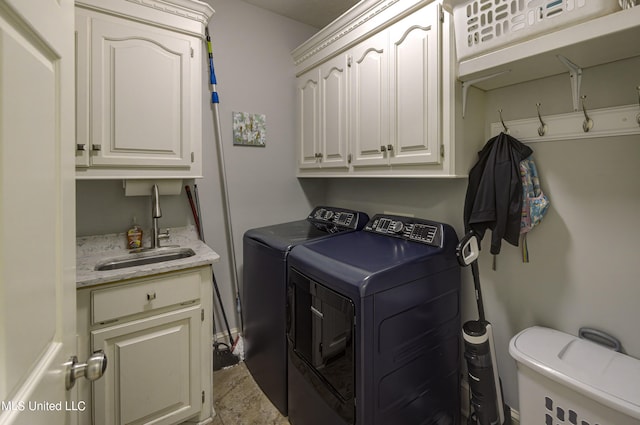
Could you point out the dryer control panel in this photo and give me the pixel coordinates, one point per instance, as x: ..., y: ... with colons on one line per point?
x: 334, y: 220
x: 408, y: 228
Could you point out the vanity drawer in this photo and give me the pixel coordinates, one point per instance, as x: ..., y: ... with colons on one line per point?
x: 146, y: 295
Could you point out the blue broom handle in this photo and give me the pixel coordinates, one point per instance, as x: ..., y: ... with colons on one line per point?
x: 212, y: 71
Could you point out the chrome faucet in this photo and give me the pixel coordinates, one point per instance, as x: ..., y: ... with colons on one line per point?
x: 156, y: 213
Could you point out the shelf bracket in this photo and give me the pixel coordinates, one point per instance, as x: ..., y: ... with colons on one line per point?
x: 467, y: 84
x: 575, y: 73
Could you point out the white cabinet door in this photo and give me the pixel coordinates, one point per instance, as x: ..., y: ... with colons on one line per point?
x: 308, y: 92
x: 153, y: 376
x: 333, y: 113
x: 415, y: 88
x: 37, y: 212
x: 140, y: 95
x: 369, y: 117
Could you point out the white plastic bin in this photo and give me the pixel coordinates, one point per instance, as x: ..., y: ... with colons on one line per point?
x: 563, y: 379
x: 486, y: 25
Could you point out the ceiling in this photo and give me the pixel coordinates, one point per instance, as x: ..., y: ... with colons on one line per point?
x: 317, y: 13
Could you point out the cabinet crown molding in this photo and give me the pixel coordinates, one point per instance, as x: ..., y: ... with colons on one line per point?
x: 363, y: 20
x: 190, y: 14
x: 189, y: 9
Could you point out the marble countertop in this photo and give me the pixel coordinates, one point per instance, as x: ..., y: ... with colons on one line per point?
x: 90, y: 250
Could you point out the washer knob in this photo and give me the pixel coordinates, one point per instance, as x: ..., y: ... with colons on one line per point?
x: 328, y: 215
x: 397, y: 227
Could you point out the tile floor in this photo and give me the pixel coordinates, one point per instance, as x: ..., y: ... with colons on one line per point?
x: 239, y: 401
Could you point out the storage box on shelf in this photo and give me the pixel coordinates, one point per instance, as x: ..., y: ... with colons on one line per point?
x: 377, y: 96
x: 596, y: 41
x: 482, y: 26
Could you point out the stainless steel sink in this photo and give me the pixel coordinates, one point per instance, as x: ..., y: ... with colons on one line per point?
x: 145, y: 256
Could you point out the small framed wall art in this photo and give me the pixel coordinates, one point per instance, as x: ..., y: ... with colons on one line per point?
x: 249, y: 129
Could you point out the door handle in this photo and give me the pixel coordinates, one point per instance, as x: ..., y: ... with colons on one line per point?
x: 93, y: 369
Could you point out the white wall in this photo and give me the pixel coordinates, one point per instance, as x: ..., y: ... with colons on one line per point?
x: 255, y: 74
x: 583, y: 269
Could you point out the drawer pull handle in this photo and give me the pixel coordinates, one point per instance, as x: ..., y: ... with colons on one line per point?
x: 151, y: 296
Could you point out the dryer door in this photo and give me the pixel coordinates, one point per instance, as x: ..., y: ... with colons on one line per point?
x: 321, y: 338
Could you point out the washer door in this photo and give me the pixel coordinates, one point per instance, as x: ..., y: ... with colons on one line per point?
x: 321, y: 338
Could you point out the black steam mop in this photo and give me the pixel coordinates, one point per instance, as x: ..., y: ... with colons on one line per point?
x: 487, y: 405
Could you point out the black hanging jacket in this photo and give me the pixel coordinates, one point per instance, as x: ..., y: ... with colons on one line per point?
x: 494, y: 194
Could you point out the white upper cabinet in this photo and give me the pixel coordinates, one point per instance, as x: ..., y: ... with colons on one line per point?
x: 376, y: 94
x: 139, y: 90
x: 322, y: 119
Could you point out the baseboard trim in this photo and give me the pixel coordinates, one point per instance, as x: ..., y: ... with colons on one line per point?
x: 224, y: 336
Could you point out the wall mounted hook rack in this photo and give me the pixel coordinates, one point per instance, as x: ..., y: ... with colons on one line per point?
x: 612, y: 122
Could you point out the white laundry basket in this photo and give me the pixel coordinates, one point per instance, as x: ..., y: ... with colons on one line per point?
x: 563, y: 379
x: 485, y: 25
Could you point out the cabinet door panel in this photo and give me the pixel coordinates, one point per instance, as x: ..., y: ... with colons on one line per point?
x: 415, y: 90
x: 370, y: 100
x: 333, y: 122
x: 308, y: 126
x: 140, y: 96
x: 151, y: 373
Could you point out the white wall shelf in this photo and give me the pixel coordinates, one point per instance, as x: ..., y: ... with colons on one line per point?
x: 607, y: 122
x: 602, y: 40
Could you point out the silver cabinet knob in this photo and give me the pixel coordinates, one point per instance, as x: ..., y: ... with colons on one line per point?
x: 383, y: 148
x: 93, y: 369
x: 151, y: 296
x: 96, y: 147
x: 80, y: 146
x: 390, y: 148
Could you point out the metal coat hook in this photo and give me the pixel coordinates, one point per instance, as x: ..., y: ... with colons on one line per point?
x: 543, y: 127
x: 506, y: 129
x: 587, y: 124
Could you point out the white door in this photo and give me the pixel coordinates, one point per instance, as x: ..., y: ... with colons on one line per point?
x: 37, y: 211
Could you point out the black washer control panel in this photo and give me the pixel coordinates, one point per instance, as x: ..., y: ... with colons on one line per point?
x: 333, y: 220
x: 408, y: 228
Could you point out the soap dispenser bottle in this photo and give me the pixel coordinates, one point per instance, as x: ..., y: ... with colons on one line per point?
x: 134, y: 236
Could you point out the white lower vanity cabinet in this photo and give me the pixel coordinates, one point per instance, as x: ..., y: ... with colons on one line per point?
x: 156, y: 333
